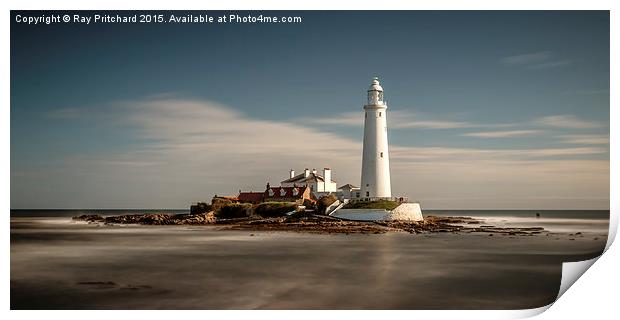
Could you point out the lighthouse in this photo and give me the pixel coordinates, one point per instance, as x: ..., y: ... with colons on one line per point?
x: 375, y: 157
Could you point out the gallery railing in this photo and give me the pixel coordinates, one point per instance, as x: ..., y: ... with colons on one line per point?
x: 397, y: 199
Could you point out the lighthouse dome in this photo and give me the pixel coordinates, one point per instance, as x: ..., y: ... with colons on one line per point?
x: 375, y: 86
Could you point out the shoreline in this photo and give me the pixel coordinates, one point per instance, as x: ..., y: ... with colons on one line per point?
x: 313, y: 223
x: 58, y: 264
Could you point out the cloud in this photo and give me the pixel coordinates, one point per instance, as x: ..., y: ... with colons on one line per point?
x: 585, y: 139
x: 402, y: 119
x: 566, y: 121
x: 127, y: 163
x: 398, y: 119
x: 443, y: 153
x: 475, y: 183
x: 551, y: 64
x: 527, y: 58
x: 536, y: 60
x: 189, y: 150
x: 502, y: 134
x: 429, y: 124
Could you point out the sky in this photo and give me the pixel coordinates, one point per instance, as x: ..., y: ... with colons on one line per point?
x: 486, y: 110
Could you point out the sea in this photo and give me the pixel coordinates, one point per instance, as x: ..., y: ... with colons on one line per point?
x: 565, y: 221
x: 60, y: 264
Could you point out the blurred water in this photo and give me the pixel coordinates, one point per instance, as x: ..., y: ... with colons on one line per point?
x: 60, y: 264
x: 569, y: 214
x: 77, y: 212
x: 568, y: 221
x: 574, y: 214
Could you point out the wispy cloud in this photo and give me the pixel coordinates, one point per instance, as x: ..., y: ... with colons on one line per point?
x: 527, y: 58
x: 536, y: 60
x: 503, y: 134
x: 585, y: 139
x: 398, y: 119
x: 566, y: 121
x: 552, y: 64
x: 193, y: 124
x: 442, y: 153
x: 401, y: 119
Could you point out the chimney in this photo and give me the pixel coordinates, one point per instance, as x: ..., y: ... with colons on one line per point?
x: 313, y: 171
x: 306, y: 173
x: 327, y: 174
x: 292, y: 173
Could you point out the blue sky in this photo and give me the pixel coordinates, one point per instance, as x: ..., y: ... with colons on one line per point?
x: 486, y: 109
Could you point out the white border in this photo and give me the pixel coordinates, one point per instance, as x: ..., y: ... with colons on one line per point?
x: 313, y: 5
x: 592, y: 296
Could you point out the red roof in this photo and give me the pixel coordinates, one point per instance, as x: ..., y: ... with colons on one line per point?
x: 285, y: 192
x: 232, y: 198
x: 250, y: 196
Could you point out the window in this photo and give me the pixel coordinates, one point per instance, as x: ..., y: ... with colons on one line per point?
x: 357, y: 194
x: 367, y: 184
x: 365, y: 114
x: 381, y: 154
x: 379, y: 114
x: 367, y: 194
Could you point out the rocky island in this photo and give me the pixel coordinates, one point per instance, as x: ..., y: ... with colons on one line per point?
x: 311, y: 218
x: 314, y: 223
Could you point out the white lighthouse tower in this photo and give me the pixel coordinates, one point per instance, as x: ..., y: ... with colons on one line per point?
x: 375, y: 158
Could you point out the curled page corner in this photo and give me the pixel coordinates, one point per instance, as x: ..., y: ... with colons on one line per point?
x: 528, y: 313
x: 571, y: 271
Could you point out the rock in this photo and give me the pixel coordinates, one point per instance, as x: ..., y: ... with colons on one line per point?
x: 88, y: 218
x: 151, y: 219
x: 407, y: 212
x: 314, y: 223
